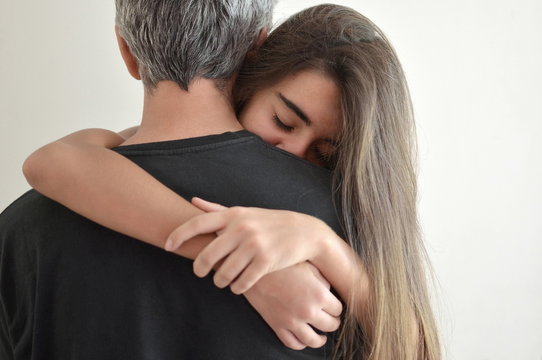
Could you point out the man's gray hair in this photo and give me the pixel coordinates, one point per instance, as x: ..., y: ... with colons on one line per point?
x: 179, y: 40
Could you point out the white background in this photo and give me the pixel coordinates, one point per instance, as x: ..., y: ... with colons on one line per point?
x: 474, y: 68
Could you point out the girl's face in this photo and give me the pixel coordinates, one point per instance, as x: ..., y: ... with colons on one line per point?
x: 300, y: 114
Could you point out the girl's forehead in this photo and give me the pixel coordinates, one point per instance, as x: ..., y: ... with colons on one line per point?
x: 310, y: 95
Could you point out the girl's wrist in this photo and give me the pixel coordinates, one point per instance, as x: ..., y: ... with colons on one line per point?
x: 327, y: 247
x: 339, y: 264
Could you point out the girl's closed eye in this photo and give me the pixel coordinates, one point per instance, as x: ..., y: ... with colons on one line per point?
x: 322, y: 158
x: 326, y: 154
x: 282, y: 125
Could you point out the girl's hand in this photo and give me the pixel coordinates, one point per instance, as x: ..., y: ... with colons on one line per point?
x: 251, y: 242
x: 295, y: 302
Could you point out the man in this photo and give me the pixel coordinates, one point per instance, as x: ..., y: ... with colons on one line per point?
x: 72, y: 289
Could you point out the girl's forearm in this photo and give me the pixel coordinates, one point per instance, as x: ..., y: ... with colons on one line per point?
x: 343, y: 268
x: 80, y: 172
x: 88, y: 178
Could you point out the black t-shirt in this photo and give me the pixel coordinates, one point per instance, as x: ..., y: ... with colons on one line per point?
x: 71, y: 289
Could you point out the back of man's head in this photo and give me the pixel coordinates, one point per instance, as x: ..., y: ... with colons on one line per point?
x: 179, y: 40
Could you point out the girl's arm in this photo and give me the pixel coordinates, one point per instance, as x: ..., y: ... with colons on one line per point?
x: 80, y: 172
x: 128, y: 133
x: 253, y: 242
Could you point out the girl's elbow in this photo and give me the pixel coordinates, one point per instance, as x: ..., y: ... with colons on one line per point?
x: 36, y: 165
x: 30, y: 169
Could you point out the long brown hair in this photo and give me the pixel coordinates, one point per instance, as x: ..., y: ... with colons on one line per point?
x: 374, y: 171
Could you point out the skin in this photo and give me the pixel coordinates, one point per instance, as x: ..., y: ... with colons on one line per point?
x: 300, y: 114
x: 78, y: 170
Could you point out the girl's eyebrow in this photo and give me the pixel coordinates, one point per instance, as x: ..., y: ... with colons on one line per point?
x: 289, y: 103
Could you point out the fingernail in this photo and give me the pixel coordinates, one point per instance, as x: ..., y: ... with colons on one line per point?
x: 235, y: 290
x: 169, y: 245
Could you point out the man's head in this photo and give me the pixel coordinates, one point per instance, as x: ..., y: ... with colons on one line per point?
x: 179, y: 40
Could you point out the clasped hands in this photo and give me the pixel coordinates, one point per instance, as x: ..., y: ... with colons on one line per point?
x: 265, y: 255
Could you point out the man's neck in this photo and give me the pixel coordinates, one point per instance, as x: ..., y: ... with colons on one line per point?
x: 170, y: 113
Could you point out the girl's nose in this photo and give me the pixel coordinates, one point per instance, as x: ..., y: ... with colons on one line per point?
x: 297, y: 147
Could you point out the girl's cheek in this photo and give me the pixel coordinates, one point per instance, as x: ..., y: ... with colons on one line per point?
x: 271, y: 136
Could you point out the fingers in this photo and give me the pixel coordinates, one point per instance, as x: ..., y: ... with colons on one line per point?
x: 325, y: 322
x: 306, y: 335
x: 241, y: 269
x: 332, y: 305
x: 201, y: 224
x: 289, y: 339
x: 254, y: 272
x: 207, y: 206
x: 218, y: 249
x: 301, y: 337
x: 319, y: 276
x: 292, y: 302
x: 230, y: 269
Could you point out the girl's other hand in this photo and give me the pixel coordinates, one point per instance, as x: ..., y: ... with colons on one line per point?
x: 251, y: 242
x: 294, y: 302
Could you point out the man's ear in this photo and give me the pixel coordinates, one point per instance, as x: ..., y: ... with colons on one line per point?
x: 262, y: 36
x: 129, y: 59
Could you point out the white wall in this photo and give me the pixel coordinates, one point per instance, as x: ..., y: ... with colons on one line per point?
x: 474, y: 68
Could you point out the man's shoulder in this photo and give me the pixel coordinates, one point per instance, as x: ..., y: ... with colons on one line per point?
x: 33, y: 213
x: 188, y: 145
x: 27, y: 206
x: 23, y: 227
x: 237, y: 150
x: 238, y: 169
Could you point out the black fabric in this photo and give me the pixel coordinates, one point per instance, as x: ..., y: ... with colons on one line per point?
x: 71, y: 289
